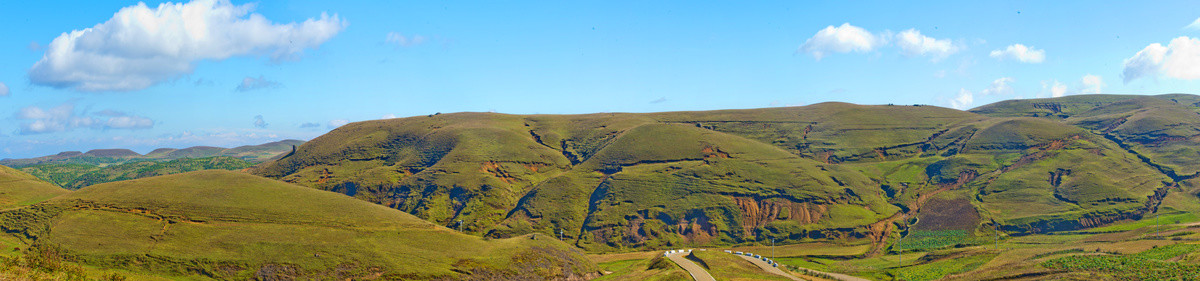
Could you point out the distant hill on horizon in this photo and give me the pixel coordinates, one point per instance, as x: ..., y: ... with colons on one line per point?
x: 251, y: 153
x: 75, y: 170
x: 76, y: 176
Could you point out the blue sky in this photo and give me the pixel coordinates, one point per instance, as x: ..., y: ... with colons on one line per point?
x: 106, y: 74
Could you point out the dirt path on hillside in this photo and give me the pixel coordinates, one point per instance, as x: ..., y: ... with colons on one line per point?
x: 698, y: 273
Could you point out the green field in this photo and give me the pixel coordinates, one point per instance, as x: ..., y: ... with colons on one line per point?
x: 1171, y: 262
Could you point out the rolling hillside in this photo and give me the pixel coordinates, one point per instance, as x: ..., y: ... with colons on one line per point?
x: 854, y: 174
x: 19, y: 189
x: 1163, y: 129
x: 607, y: 181
x: 229, y: 225
x: 851, y: 178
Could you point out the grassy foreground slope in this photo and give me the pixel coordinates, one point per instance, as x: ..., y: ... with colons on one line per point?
x: 230, y: 225
x: 20, y: 189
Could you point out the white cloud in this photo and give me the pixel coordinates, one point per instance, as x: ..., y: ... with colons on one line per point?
x: 1180, y: 59
x: 259, y: 122
x: 1053, y: 89
x: 3, y: 90
x: 1147, y: 62
x: 999, y: 87
x: 1092, y: 84
x: 1195, y: 25
x: 141, y: 46
x: 912, y: 43
x: 337, y: 123
x: 389, y: 116
x: 34, y: 112
x: 57, y: 119
x: 848, y: 38
x: 129, y: 122
x: 963, y: 100
x: 1088, y: 84
x: 1021, y: 53
x: 843, y: 39
x: 1058, y: 89
x: 65, y: 118
x: 42, y: 126
x: 309, y: 125
x: 251, y: 83
x: 395, y: 38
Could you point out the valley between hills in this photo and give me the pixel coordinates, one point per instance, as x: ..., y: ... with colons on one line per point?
x: 1085, y: 187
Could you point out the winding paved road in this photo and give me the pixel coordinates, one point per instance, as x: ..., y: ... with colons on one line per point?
x: 698, y: 273
x: 770, y: 269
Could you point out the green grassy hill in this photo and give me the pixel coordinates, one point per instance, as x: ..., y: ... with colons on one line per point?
x: 230, y: 225
x: 826, y: 172
x: 20, y: 189
x: 606, y: 180
x: 1163, y: 129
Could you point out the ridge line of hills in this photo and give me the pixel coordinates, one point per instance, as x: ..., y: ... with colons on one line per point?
x: 252, y: 153
x: 829, y: 171
x: 859, y: 177
x: 75, y: 170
